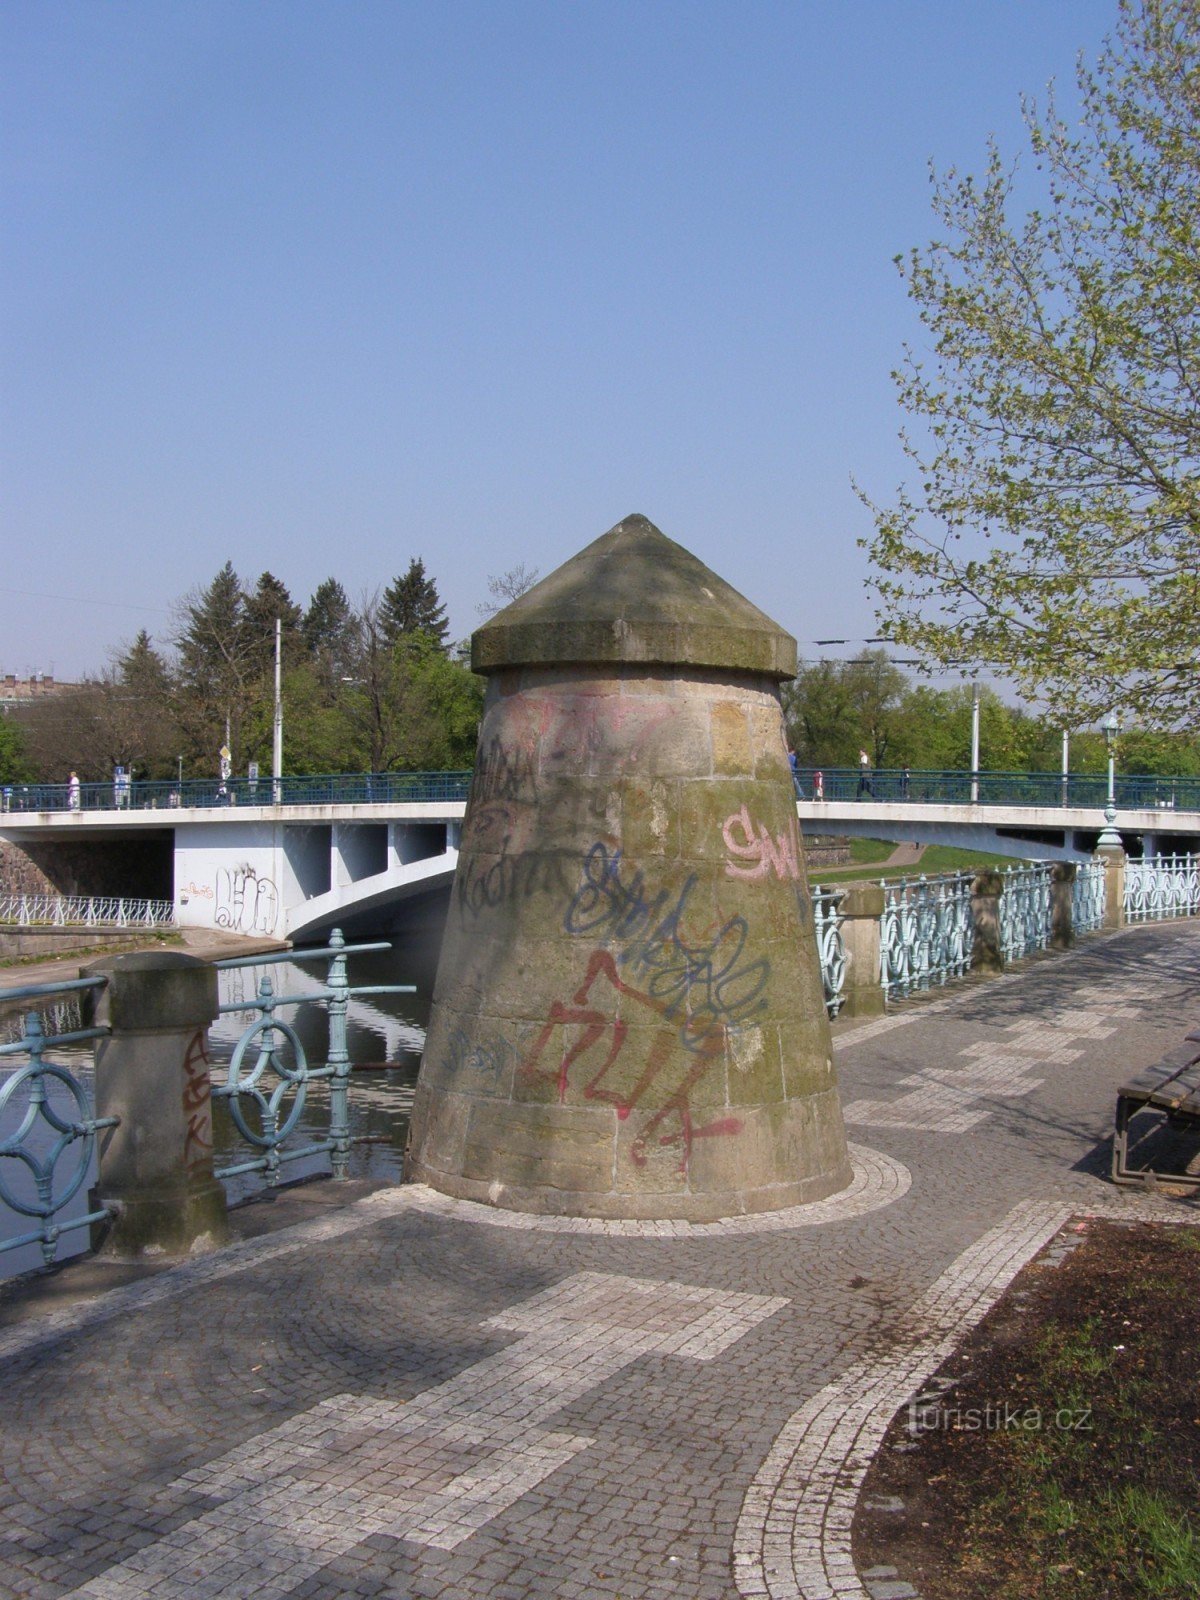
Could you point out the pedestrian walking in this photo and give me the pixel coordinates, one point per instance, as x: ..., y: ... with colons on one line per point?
x: 864, y: 774
x: 905, y: 783
x: 795, y: 773
x: 818, y: 785
x: 73, y: 791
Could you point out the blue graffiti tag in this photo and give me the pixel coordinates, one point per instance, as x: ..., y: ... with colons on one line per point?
x: 703, y: 980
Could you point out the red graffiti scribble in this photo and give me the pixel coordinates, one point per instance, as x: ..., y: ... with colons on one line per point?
x: 197, y: 1102
x: 780, y: 855
x: 581, y: 1012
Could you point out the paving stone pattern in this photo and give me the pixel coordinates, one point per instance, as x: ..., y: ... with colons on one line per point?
x: 418, y: 1397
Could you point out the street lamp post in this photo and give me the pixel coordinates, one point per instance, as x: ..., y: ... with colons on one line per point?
x: 1110, y: 839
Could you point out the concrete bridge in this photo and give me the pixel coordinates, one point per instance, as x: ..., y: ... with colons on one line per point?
x: 297, y: 869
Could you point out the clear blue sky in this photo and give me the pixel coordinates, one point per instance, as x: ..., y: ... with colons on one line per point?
x: 319, y: 286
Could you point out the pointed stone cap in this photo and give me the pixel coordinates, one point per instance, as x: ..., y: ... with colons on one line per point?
x: 635, y: 596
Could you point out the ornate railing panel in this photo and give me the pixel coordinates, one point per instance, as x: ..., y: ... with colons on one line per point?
x: 86, y: 911
x: 827, y: 920
x: 46, y: 1157
x: 926, y: 932
x: 1025, y: 911
x: 267, y: 1085
x: 1160, y: 887
x: 1088, y: 897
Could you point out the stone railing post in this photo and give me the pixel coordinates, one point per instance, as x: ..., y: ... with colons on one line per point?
x: 1062, y: 905
x: 860, y: 909
x: 1114, y: 887
x: 156, y: 1167
x: 987, y: 955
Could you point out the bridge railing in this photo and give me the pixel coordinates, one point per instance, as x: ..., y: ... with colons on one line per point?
x: 1160, y: 887
x: 344, y: 788
x: 47, y: 1125
x: 1086, y: 791
x: 926, y: 932
x: 267, y: 1085
x: 84, y: 911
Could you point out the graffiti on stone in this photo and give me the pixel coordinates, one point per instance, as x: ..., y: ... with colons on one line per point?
x: 756, y: 854
x: 504, y: 772
x: 585, y: 1047
x: 701, y: 977
x: 246, y: 901
x: 491, y: 1057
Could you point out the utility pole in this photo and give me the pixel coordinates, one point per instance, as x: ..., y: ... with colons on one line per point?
x: 975, y: 744
x: 277, y: 740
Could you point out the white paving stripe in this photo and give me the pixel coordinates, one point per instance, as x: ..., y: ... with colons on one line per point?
x: 877, y: 1181
x: 793, y: 1535
x: 436, y: 1469
x: 948, y: 1099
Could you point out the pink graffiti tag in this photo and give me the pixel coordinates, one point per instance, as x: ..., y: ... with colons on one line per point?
x: 673, y: 1123
x: 780, y: 855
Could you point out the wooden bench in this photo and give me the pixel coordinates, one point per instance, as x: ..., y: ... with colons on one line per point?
x: 1172, y: 1087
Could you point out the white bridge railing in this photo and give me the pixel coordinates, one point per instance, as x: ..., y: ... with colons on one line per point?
x: 84, y: 911
x: 1161, y: 887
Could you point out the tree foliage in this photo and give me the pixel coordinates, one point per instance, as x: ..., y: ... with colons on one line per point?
x: 411, y: 605
x: 1054, y: 530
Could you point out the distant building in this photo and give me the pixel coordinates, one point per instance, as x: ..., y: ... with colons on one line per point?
x: 16, y: 693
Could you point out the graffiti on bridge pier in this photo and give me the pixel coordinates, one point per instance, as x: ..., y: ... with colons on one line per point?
x: 197, y: 1106
x: 702, y: 976
x: 596, y: 1035
x: 761, y: 853
x: 246, y: 901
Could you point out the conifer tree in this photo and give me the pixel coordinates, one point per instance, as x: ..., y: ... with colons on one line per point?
x: 411, y: 604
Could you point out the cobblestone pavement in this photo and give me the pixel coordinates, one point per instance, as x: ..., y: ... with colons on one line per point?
x: 414, y: 1397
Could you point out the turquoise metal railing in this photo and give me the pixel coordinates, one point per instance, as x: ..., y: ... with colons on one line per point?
x: 1088, y: 897
x: 1161, y: 887
x: 47, y: 1156
x: 827, y: 921
x: 924, y: 787
x: 265, y: 1091
x: 1025, y: 911
x: 926, y: 932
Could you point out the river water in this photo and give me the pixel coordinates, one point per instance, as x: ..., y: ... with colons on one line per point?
x: 386, y: 1033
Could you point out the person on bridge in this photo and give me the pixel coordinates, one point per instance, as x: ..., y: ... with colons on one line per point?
x: 864, y: 774
x: 795, y: 773
x: 818, y: 785
x: 73, y: 792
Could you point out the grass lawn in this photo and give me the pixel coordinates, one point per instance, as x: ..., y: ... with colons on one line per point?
x: 870, y: 853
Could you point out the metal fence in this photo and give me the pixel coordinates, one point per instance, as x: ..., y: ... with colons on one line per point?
x: 1025, y: 911
x: 1161, y: 887
x: 827, y: 921
x: 46, y: 1157
x: 85, y: 911
x: 918, y: 787
x: 1089, y: 897
x: 926, y: 932
x: 266, y: 1088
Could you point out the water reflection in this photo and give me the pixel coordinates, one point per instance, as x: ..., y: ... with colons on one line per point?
x: 385, y: 1036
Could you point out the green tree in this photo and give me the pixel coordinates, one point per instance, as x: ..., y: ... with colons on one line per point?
x: 268, y: 601
x: 411, y: 604
x: 220, y: 668
x: 331, y: 631
x: 1054, y: 534
x: 15, y: 766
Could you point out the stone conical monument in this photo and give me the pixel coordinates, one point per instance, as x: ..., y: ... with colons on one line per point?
x: 628, y: 1019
